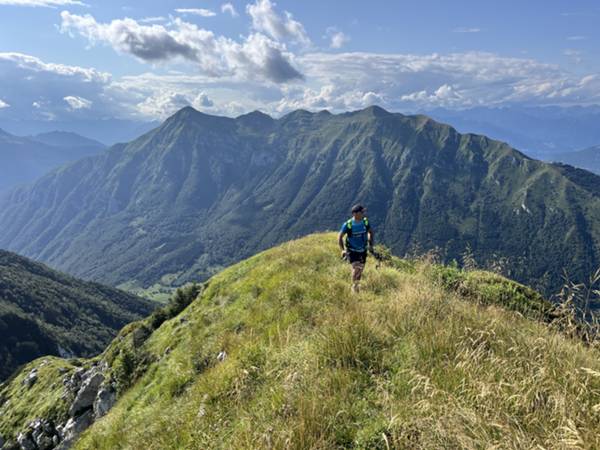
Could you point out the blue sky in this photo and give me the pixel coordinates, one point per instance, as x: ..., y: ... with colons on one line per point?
x: 85, y: 59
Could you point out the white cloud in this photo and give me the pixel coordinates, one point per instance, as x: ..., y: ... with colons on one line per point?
x: 166, y: 102
x: 42, y: 3
x: 265, y: 19
x: 408, y: 82
x: 575, y: 55
x: 337, y: 38
x: 229, y: 8
x: 466, y: 30
x: 335, y: 81
x: 153, y: 19
x: 576, y: 38
x: 75, y: 102
x: 217, y: 56
x: 197, y: 12
x: 36, y: 89
x: 3, y: 104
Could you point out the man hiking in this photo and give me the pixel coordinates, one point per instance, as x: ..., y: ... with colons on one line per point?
x: 359, y: 238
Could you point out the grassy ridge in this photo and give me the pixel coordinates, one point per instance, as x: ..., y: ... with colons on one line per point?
x: 412, y: 362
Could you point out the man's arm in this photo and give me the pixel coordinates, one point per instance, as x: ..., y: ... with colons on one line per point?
x: 341, y: 240
x: 371, y: 239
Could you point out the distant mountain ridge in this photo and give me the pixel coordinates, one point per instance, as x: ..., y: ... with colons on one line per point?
x: 44, y: 312
x: 540, y: 132
x: 23, y: 159
x: 588, y: 159
x: 66, y: 139
x: 200, y: 192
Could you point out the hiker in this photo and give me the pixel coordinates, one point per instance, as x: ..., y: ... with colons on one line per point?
x: 359, y: 239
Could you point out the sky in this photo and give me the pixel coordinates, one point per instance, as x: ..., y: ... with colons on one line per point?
x: 71, y: 59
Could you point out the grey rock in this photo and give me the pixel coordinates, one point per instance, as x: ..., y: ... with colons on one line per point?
x: 76, y: 426
x: 25, y: 442
x: 44, y: 442
x: 222, y: 355
x: 31, y: 378
x: 105, y: 400
x: 55, y: 440
x: 87, y: 392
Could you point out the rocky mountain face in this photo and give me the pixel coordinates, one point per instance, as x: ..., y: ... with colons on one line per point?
x: 44, y: 312
x: 23, y: 159
x: 200, y: 192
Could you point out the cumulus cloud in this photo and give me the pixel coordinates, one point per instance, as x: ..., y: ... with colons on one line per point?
x: 217, y: 56
x: 229, y: 8
x: 75, y: 102
x: 196, y: 11
x: 37, y: 89
x: 409, y: 82
x: 165, y: 102
x: 337, y: 38
x: 43, y: 3
x: 3, y: 104
x: 265, y: 19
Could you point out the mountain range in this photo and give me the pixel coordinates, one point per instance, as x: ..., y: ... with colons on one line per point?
x: 24, y: 159
x: 540, y: 132
x: 201, y: 192
x: 44, y: 312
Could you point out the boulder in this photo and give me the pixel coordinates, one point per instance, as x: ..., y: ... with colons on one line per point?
x: 31, y: 378
x: 87, y: 392
x: 106, y: 398
x: 25, y: 442
x: 74, y: 427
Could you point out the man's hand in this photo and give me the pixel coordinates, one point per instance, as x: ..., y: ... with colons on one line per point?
x: 344, y: 254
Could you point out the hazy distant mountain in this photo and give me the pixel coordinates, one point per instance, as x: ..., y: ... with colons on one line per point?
x: 44, y: 312
x: 107, y: 131
x: 23, y: 159
x: 538, y: 131
x: 588, y: 159
x: 66, y: 139
x: 201, y: 191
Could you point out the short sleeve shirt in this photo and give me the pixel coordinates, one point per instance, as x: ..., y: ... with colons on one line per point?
x: 357, y: 240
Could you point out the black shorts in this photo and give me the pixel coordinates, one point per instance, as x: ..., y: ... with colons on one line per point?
x: 357, y: 257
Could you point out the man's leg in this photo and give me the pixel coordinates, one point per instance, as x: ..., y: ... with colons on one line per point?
x: 357, y: 270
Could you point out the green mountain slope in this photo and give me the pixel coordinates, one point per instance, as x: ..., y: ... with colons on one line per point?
x: 274, y: 352
x: 44, y: 312
x: 23, y: 159
x: 201, y: 192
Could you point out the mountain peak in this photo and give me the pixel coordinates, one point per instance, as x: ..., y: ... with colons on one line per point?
x: 373, y: 110
x: 255, y: 118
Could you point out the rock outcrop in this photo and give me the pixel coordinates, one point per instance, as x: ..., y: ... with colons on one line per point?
x: 91, y: 394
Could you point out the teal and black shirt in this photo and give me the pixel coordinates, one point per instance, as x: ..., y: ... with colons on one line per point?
x: 356, y: 234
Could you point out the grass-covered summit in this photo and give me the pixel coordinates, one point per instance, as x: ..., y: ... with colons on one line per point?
x: 274, y: 352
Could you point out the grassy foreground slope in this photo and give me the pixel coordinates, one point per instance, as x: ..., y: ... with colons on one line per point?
x: 425, y: 357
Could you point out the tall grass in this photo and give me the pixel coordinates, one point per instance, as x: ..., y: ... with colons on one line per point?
x: 421, y: 359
